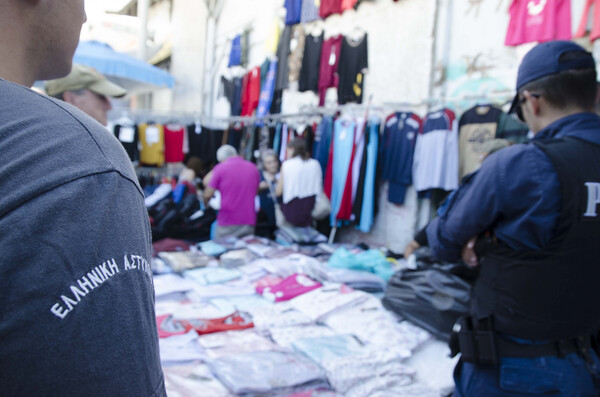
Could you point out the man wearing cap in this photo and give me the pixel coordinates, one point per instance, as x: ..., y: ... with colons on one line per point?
x: 86, y: 89
x: 529, y: 218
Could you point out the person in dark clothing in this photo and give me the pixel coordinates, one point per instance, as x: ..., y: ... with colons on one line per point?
x: 529, y: 218
x: 266, y: 220
x: 75, y: 275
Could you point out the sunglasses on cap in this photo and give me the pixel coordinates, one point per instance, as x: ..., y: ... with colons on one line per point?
x: 519, y: 110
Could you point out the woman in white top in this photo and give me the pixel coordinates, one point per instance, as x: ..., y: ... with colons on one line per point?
x: 299, y: 184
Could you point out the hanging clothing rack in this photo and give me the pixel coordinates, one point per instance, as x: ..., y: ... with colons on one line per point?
x: 308, y: 111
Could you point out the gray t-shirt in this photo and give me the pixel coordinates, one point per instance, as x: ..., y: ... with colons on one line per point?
x: 76, y: 288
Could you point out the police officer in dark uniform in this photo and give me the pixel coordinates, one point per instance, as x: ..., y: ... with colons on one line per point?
x: 529, y: 218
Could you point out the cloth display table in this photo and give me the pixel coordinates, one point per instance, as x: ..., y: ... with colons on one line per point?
x: 272, y: 320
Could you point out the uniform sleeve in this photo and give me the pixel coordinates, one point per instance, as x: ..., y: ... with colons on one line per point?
x: 515, y: 193
x: 82, y: 290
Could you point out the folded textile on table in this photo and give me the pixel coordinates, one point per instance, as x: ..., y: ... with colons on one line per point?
x: 180, y: 349
x: 211, y: 248
x: 290, y: 287
x: 193, y: 380
x: 253, y: 271
x: 278, y: 315
x: 322, y: 348
x: 182, y: 310
x: 286, y: 336
x: 364, y: 371
x: 159, y: 266
x: 267, y: 372
x: 268, y: 281
x: 170, y: 245
x: 235, y: 321
x: 229, y: 289
x: 236, y: 258
x: 385, y: 389
x: 295, y: 263
x: 240, y: 303
x: 259, y: 250
x: 167, y: 284
x: 211, y: 275
x: 298, y: 235
x: 372, y: 324
x: 168, y: 326
x: 186, y: 260
x: 223, y: 344
x: 372, y: 261
x: 356, y: 279
x: 325, y: 300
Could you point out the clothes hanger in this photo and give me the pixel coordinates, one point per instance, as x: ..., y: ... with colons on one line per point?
x: 356, y: 34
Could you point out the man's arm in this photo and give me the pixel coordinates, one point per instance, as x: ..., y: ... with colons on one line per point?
x: 279, y: 187
x: 207, y: 178
x: 469, y: 211
x: 515, y: 192
x: 208, y: 193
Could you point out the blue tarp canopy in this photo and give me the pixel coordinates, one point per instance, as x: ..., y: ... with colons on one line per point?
x: 129, y: 72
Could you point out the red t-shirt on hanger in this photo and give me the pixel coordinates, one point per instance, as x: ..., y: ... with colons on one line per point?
x: 329, y: 7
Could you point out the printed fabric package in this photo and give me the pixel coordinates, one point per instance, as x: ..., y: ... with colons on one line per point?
x: 193, y: 380
x: 267, y: 372
x: 235, y: 321
x: 291, y: 287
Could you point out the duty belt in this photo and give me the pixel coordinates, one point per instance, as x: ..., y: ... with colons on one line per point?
x: 478, y: 343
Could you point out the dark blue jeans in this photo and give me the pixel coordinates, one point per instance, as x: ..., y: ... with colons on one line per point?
x: 550, y: 376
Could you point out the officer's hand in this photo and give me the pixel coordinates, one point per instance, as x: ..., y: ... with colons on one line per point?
x: 410, y: 248
x: 468, y: 253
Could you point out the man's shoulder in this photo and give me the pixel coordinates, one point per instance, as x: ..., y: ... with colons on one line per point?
x: 46, y: 143
x: 512, y: 153
x: 37, y: 120
x: 241, y: 163
x: 520, y: 162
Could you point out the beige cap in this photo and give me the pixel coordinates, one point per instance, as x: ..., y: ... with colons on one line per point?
x: 82, y: 77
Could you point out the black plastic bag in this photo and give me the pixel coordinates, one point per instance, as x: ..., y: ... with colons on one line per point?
x: 432, y: 296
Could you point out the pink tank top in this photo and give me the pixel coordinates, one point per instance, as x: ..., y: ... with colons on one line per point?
x: 538, y: 20
x: 594, y: 29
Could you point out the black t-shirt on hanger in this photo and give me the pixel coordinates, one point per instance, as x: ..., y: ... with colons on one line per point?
x: 232, y: 90
x: 203, y: 143
x: 128, y: 136
x: 353, y: 63
x: 309, y: 74
x: 283, y: 52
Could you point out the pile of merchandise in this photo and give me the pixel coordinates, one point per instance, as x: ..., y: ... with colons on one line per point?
x: 253, y: 317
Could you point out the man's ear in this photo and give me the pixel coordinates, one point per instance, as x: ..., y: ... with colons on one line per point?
x: 69, y: 97
x: 533, y: 102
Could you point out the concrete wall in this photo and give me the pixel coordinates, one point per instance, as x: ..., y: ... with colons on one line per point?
x: 471, y: 51
x: 400, y: 45
x: 187, y: 60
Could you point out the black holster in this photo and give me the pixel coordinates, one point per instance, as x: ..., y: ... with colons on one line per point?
x: 476, y: 340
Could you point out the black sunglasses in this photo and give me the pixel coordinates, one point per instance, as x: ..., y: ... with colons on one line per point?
x: 519, y: 110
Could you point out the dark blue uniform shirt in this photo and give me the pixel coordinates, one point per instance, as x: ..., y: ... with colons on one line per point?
x: 516, y: 193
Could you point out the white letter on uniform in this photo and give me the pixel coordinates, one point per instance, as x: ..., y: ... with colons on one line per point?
x: 59, y: 311
x: 593, y: 198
